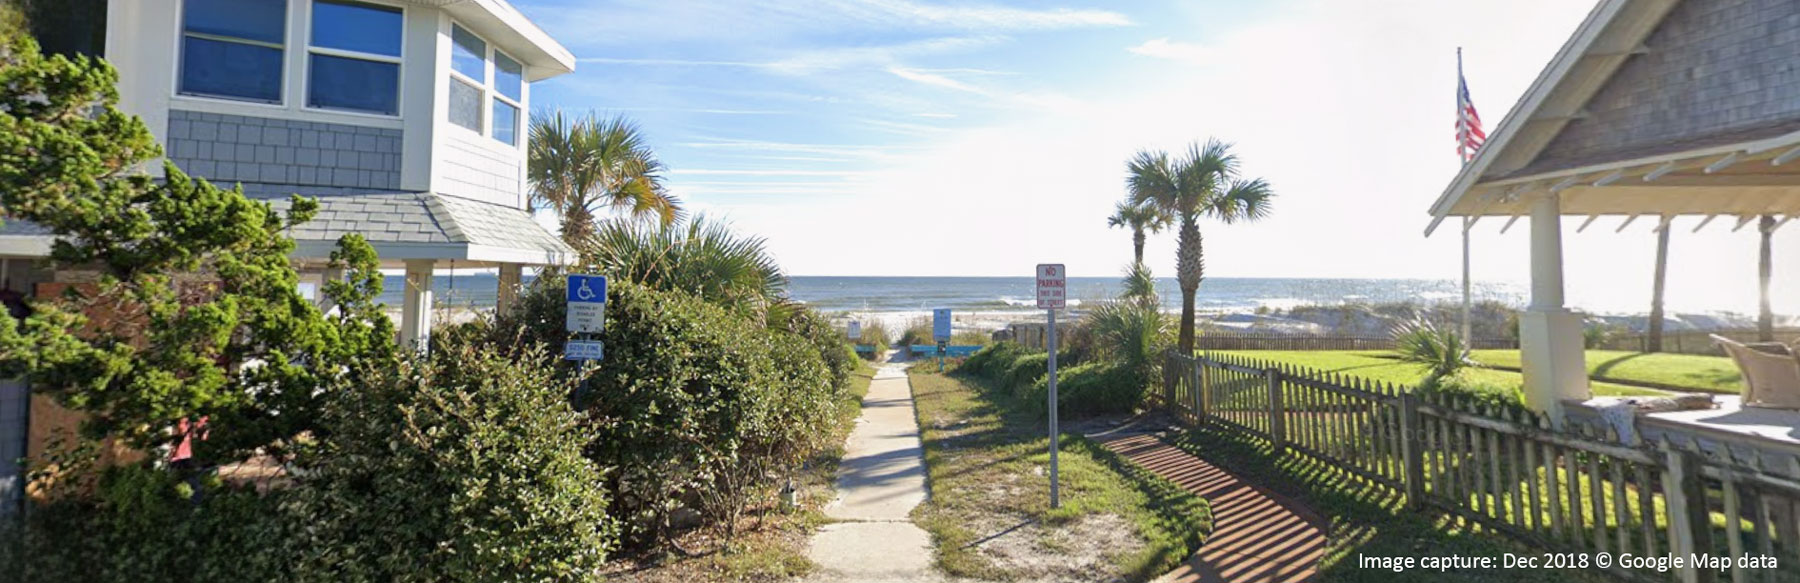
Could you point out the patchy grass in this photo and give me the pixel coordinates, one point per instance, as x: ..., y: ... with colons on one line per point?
x: 1381, y: 366
x: 771, y: 543
x: 989, y: 511
x: 1687, y: 372
x: 1367, y: 520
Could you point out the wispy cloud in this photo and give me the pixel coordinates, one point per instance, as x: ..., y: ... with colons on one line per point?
x: 625, y: 22
x: 934, y: 80
x: 1163, y: 48
x: 935, y: 115
x: 825, y: 59
x: 766, y: 172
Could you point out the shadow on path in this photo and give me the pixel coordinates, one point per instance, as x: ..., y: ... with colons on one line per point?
x: 1258, y: 535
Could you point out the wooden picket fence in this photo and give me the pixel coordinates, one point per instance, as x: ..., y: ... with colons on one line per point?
x: 1694, y: 341
x: 1576, y: 489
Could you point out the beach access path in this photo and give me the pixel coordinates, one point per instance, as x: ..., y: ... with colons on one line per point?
x: 879, y: 481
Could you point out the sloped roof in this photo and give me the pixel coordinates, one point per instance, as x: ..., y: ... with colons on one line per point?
x: 1646, y: 110
x: 403, y: 225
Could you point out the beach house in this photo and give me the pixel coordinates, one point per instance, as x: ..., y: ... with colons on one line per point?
x: 1659, y: 109
x: 405, y: 118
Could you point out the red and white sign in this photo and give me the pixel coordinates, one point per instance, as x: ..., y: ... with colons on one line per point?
x: 1052, y: 286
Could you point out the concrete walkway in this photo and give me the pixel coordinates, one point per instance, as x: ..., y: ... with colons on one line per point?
x: 1258, y: 536
x: 880, y: 480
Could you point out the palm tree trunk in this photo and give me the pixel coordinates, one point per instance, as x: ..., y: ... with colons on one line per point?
x: 1137, y: 245
x: 1765, y: 267
x: 1656, y: 294
x: 1189, y: 269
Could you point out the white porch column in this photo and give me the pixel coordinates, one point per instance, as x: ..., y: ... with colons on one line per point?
x: 510, y: 273
x: 1549, y: 334
x: 415, y: 314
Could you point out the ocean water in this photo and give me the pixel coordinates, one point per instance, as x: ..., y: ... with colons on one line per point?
x: 913, y: 295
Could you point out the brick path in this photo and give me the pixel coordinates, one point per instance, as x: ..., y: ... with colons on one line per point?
x: 1258, y: 536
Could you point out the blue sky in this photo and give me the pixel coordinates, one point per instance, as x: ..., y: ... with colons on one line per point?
x: 929, y: 137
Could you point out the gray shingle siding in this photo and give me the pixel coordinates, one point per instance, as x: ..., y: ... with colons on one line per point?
x: 235, y: 148
x: 1716, y: 68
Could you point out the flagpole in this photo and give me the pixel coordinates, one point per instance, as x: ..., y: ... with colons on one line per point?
x: 1468, y: 341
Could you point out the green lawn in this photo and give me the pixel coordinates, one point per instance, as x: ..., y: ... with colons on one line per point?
x: 1380, y: 366
x: 1687, y: 371
x: 989, y: 510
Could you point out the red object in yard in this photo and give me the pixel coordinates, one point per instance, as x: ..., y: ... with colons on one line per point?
x: 184, y: 449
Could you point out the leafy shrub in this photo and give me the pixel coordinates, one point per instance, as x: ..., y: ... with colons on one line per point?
x: 1089, y: 389
x: 833, y: 347
x: 466, y: 466
x: 695, y: 405
x: 994, y: 359
x: 1024, y: 370
x: 145, y: 524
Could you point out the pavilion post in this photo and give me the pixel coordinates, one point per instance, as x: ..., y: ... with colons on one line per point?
x: 1468, y: 340
x: 1551, y: 350
x: 415, y: 314
x: 510, y: 274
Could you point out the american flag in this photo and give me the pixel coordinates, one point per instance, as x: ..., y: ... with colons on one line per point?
x: 1469, y: 136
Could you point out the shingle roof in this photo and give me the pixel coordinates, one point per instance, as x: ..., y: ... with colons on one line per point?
x: 403, y: 218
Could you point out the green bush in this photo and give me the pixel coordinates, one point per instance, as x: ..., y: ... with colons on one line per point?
x: 694, y: 406
x: 833, y: 347
x: 994, y: 359
x: 144, y: 524
x: 918, y: 331
x: 466, y: 466
x: 1089, y: 389
x: 876, y: 335
x: 1025, y: 369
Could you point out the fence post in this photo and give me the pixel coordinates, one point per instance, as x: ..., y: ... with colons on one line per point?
x: 1412, y: 458
x: 1169, y: 389
x: 1277, y: 413
x: 1689, y: 520
x: 1197, y: 380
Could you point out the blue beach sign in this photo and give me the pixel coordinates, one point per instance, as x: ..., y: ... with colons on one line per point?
x: 587, y: 315
x: 940, y: 324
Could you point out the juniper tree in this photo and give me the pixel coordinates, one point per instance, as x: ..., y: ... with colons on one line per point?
x: 194, y: 308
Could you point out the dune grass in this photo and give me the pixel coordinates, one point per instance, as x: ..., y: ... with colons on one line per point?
x: 1690, y: 372
x: 1380, y: 366
x: 989, y: 510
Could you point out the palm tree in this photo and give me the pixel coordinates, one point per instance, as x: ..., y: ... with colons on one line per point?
x: 1203, y: 183
x: 698, y: 256
x: 1140, y: 218
x: 580, y: 165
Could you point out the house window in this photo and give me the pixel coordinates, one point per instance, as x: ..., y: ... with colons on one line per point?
x: 233, y: 49
x: 482, y: 99
x: 468, y: 66
x: 509, y: 89
x: 353, y: 59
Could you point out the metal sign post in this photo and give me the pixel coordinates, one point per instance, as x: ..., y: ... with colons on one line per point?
x: 1052, y: 295
x: 940, y: 331
x: 587, y: 317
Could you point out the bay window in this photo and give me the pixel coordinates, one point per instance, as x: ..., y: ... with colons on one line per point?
x: 487, y: 88
x: 233, y: 49
x: 353, y: 58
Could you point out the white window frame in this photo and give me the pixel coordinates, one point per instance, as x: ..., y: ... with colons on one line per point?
x: 181, y: 35
x: 486, y: 86
x: 399, y: 62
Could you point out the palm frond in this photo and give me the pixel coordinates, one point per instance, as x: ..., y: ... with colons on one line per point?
x: 1245, y: 200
